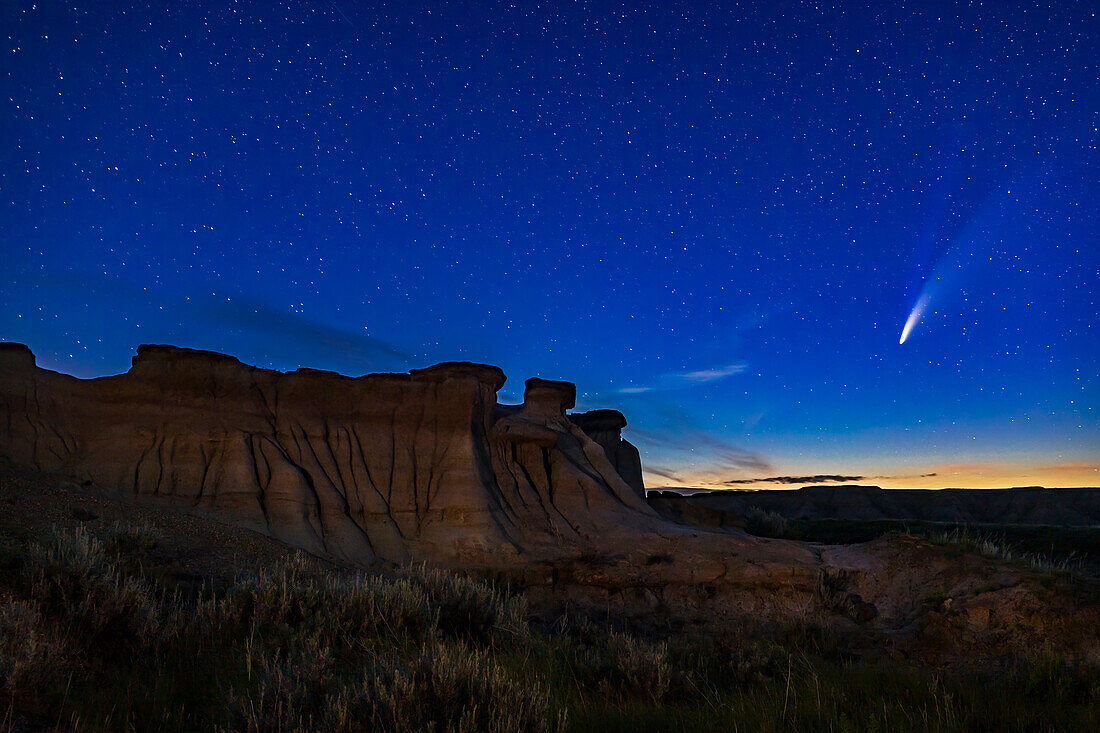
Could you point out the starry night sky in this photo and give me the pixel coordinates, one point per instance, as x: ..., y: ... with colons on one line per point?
x: 715, y: 217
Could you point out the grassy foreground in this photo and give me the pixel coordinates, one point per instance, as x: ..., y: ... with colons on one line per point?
x: 94, y: 637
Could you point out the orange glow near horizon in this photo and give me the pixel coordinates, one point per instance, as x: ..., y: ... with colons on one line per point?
x: 933, y: 476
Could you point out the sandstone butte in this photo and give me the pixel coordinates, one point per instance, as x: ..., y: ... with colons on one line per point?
x: 429, y: 467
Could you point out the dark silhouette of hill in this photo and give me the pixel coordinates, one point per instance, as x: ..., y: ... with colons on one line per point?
x: 1033, y: 505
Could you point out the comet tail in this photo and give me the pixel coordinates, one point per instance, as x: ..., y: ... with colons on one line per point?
x: 914, y: 316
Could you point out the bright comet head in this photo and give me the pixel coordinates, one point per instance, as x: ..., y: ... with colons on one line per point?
x: 914, y: 316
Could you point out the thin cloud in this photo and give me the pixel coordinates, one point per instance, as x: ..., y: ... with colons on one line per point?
x: 306, y: 333
x: 662, y: 472
x: 821, y: 478
x: 673, y: 440
x: 279, y: 332
x: 905, y: 476
x: 717, y: 453
x: 712, y: 375
x: 682, y: 380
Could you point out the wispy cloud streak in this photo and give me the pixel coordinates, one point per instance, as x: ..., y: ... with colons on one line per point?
x: 307, y: 334
x: 682, y: 380
x: 816, y: 479
x: 718, y: 454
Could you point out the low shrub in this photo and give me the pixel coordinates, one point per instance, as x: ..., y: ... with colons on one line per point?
x: 623, y: 667
x: 831, y: 587
x: 291, y: 690
x: 731, y: 661
x: 330, y: 609
x: 767, y: 523
x: 995, y: 546
x: 31, y: 659
x: 450, y: 688
x: 471, y: 609
x: 1049, y: 676
x: 76, y: 580
x: 131, y: 540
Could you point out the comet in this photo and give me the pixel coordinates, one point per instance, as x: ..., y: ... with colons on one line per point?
x: 915, y: 316
x: 976, y: 239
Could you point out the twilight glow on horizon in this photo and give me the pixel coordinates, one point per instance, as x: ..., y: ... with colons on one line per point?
x: 839, y: 242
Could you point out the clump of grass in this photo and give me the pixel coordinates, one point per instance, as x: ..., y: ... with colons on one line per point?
x: 1050, y: 676
x: 450, y: 687
x: 341, y: 609
x: 74, y: 578
x: 995, y: 547
x: 831, y: 587
x: 627, y: 667
x: 31, y: 658
x: 285, y: 690
x: 326, y: 608
x: 310, y: 631
x: 446, y: 686
x: 767, y: 523
x: 730, y: 661
x: 622, y: 667
x: 123, y: 539
x: 471, y: 609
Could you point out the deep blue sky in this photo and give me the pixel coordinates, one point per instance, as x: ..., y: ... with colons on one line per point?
x: 714, y: 217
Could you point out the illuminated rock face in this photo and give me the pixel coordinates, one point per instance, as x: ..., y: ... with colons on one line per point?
x: 391, y: 467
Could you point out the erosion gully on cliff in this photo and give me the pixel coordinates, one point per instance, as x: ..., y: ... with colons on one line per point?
x: 427, y: 466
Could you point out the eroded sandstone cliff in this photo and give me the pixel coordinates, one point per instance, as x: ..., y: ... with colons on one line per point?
x: 381, y: 467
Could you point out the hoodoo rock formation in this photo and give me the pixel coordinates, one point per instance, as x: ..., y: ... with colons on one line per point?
x: 605, y: 427
x: 425, y: 465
